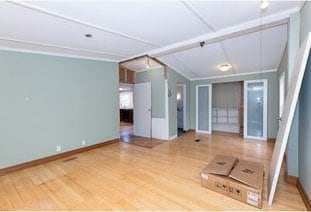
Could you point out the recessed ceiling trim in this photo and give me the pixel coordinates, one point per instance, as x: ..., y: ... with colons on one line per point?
x: 54, y: 54
x: 67, y: 18
x: 60, y: 47
x: 227, y: 56
x: 192, y: 9
x: 227, y: 33
x: 187, y: 67
x: 205, y: 22
x: 234, y: 75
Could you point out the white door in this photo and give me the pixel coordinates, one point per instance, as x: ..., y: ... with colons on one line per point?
x: 204, y: 108
x: 255, y: 109
x: 142, y: 109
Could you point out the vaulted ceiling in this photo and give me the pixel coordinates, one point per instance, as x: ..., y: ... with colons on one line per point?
x: 233, y: 32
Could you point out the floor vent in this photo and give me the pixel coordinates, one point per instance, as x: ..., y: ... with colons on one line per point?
x: 197, y: 140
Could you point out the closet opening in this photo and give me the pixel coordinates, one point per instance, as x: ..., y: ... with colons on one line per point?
x: 227, y: 108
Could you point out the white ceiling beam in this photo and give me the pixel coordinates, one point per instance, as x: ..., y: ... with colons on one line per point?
x: 227, y: 33
x: 70, y: 19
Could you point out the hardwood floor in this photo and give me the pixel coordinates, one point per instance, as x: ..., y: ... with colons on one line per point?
x: 128, y: 177
x: 126, y: 136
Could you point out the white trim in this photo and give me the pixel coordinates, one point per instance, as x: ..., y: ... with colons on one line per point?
x: 281, y: 93
x: 54, y: 54
x: 74, y: 20
x: 58, y: 47
x: 265, y: 109
x: 184, y: 96
x: 185, y: 127
x: 173, y: 137
x: 235, y: 75
x: 167, y: 123
x: 210, y: 108
x: 292, y: 96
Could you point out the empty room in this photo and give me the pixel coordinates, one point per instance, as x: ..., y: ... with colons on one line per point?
x: 155, y: 105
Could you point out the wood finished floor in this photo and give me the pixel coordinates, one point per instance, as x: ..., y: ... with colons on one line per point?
x: 128, y: 177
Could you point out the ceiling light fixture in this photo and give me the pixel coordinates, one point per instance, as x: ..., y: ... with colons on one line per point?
x: 88, y: 35
x: 224, y: 67
x: 264, y: 5
x: 148, y: 63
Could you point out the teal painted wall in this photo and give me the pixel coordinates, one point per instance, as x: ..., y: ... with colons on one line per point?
x: 69, y: 100
x: 304, y: 148
x: 293, y: 46
x: 156, y: 77
x: 175, y: 78
x: 273, y: 108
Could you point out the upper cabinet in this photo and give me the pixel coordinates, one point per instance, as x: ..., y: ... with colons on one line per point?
x: 126, y: 75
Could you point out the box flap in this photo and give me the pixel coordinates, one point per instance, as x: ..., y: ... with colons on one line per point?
x: 221, y: 165
x: 249, y: 173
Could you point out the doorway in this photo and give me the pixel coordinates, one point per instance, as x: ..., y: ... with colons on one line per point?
x: 181, y: 108
x: 126, y: 106
x: 227, y: 108
x: 255, y: 105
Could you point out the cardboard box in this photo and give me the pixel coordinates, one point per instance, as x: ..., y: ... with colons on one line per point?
x: 238, y: 179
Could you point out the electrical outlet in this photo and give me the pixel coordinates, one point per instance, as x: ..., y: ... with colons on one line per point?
x: 58, y: 148
x: 83, y: 143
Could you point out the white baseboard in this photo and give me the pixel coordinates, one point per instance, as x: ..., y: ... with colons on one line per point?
x: 173, y: 137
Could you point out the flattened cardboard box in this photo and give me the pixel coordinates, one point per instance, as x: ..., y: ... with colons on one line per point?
x: 238, y: 179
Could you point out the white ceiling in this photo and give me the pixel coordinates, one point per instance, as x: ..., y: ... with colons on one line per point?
x: 124, y: 29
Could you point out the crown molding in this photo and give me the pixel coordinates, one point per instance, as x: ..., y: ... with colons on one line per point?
x: 21, y: 50
x: 58, y: 47
x: 235, y: 75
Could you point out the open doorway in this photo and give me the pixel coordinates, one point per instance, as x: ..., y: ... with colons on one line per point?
x: 126, y: 105
x: 227, y: 108
x: 181, y: 108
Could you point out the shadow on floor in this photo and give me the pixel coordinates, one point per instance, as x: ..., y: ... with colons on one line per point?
x: 126, y: 136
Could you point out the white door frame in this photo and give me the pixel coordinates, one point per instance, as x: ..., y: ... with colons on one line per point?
x: 210, y: 108
x: 281, y: 94
x: 184, y: 96
x: 184, y: 106
x: 265, y: 109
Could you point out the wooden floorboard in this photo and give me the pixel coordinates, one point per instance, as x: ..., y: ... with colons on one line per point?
x: 129, y: 177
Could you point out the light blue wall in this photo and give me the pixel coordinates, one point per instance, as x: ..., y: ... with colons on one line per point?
x: 69, y: 100
x: 304, y: 148
x: 156, y: 77
x: 293, y: 46
x: 174, y: 78
x: 273, y: 109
